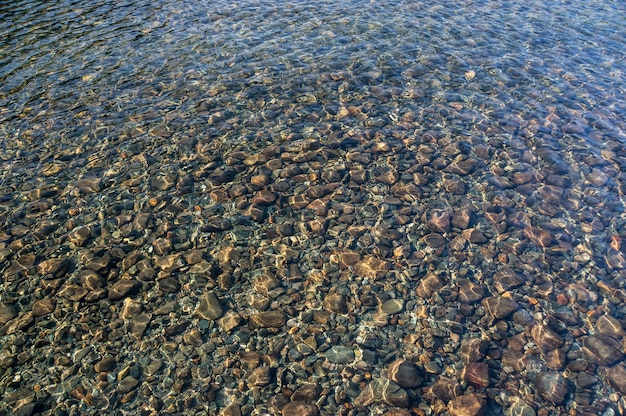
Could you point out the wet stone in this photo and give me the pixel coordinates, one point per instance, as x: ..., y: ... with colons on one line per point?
x: 209, y: 307
x: 229, y: 321
x: 601, y: 351
x: 123, y: 288
x: 264, y: 198
x: 470, y: 292
x: 371, y: 267
x: 554, y: 387
x: 506, y: 279
x: 127, y: 384
x: 79, y: 235
x: 616, y: 377
x: 382, y: 390
x: 428, y: 285
x: 261, y: 376
x: 339, y: 354
x: 8, y: 311
x: 54, y: 267
x: 546, y: 338
x: 336, y: 303
x: 300, y: 409
x: 474, y: 236
x: 105, y: 365
x: 434, y: 240
x: 439, y: 222
x: 467, y: 405
x: 265, y: 283
x: 499, y: 307
x: 406, y: 374
x: 306, y: 393
x: 73, y: 292
x: 609, y: 326
x: 269, y: 319
x: 392, y: 306
x: 43, y: 307
x: 519, y: 408
x: 477, y: 374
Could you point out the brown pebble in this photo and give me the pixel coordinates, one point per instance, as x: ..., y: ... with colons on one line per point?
x: 506, y: 279
x: 123, y: 288
x: 546, y: 338
x: 105, y: 365
x: 470, y: 292
x: 371, y: 267
x: 554, y: 387
x: 261, y: 376
x: 209, y: 307
x: 55, y: 267
x: 609, y: 326
x: 405, y: 373
x: 467, y: 405
x: 477, y: 374
x: 336, y: 303
x: 269, y: 319
x: 428, y: 285
x: 8, y: 311
x: 306, y: 393
x: 264, y: 197
x: 602, y: 351
x: 300, y: 409
x: 439, y: 221
x: 43, y: 307
x: 384, y: 391
x: 616, y: 377
x: 499, y: 307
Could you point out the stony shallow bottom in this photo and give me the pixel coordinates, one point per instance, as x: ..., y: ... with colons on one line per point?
x: 323, y: 208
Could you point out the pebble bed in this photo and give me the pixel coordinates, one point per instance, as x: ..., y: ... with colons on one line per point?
x: 312, y: 208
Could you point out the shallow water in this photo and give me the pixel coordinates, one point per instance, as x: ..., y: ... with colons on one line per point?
x: 213, y: 208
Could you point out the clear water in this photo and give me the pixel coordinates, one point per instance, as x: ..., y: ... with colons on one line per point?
x: 408, y: 115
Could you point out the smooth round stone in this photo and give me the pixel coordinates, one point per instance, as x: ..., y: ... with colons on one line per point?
x: 554, y: 387
x: 339, y: 354
x: 209, y: 307
x: 609, y: 326
x: 392, y: 306
x: 297, y: 408
x: 406, y: 374
x: 601, y: 351
x: 467, y: 405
